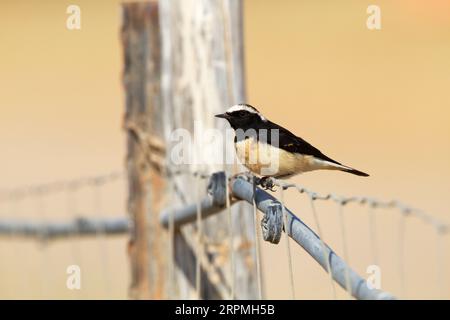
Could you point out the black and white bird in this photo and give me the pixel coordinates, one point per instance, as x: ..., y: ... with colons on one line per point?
x: 261, y: 143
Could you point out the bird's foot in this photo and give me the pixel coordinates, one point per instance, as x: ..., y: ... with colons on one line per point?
x: 267, y: 183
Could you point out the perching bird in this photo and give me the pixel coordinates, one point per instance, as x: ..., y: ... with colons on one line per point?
x: 262, y: 152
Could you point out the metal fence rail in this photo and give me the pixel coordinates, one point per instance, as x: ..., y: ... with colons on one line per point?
x: 276, y: 219
x: 78, y: 226
x: 242, y: 189
x: 55, y: 230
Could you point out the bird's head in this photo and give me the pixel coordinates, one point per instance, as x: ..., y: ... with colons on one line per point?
x: 242, y: 116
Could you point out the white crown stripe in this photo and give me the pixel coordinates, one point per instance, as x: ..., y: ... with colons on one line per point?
x: 244, y: 107
x: 241, y: 107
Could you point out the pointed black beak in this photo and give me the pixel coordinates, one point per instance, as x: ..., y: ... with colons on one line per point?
x: 222, y: 115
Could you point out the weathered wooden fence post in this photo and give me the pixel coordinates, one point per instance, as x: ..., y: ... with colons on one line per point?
x: 194, y: 72
x: 141, y: 78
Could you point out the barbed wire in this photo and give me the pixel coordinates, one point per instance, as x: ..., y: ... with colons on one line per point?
x: 71, y: 185
x: 78, y: 183
x: 60, y: 186
x: 99, y: 180
x: 438, y: 224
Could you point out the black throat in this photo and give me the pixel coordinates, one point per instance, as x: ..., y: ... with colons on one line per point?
x: 256, y: 128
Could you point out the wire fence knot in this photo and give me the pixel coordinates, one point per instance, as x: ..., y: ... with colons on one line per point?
x: 217, y: 188
x: 272, y: 223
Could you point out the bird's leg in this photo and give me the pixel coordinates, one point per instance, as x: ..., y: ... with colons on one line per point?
x: 267, y: 183
x: 247, y: 174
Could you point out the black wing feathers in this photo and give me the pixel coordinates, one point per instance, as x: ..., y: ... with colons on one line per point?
x: 291, y: 143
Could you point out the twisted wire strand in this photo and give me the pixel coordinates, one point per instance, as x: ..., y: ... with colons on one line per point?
x: 199, y: 240
x: 257, y: 246
x: 71, y: 213
x: 60, y: 186
x: 401, y: 254
x: 196, y: 173
x: 45, y: 258
x: 71, y: 184
x: 78, y: 183
x: 441, y: 228
x: 373, y: 235
x: 345, y: 249
x: 97, y: 205
x: 322, y: 241
x: 288, y: 247
x: 440, y: 251
x: 171, y: 252
x: 230, y: 243
x: 374, y: 203
x: 21, y: 255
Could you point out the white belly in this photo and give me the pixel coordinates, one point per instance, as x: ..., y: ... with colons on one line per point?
x: 266, y: 160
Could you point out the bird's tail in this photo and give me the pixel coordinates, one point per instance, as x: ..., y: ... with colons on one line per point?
x: 334, y: 165
x: 354, y: 171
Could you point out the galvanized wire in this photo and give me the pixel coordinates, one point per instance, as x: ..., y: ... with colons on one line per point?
x: 257, y: 246
x: 373, y: 235
x: 440, y: 280
x: 420, y: 214
x: 345, y: 248
x: 199, y: 239
x: 45, y: 256
x: 22, y: 256
x: 230, y: 243
x: 71, y: 211
x: 308, y: 239
x: 101, y: 241
x: 288, y: 247
x: 441, y: 228
x: 171, y: 244
x: 59, y: 186
x: 322, y: 240
x: 401, y: 253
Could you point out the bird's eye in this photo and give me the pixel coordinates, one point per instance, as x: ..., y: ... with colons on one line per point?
x: 242, y: 113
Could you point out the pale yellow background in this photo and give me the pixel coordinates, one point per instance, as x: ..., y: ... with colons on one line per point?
x: 376, y: 100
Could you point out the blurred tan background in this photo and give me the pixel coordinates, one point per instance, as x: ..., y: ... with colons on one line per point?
x: 376, y: 100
